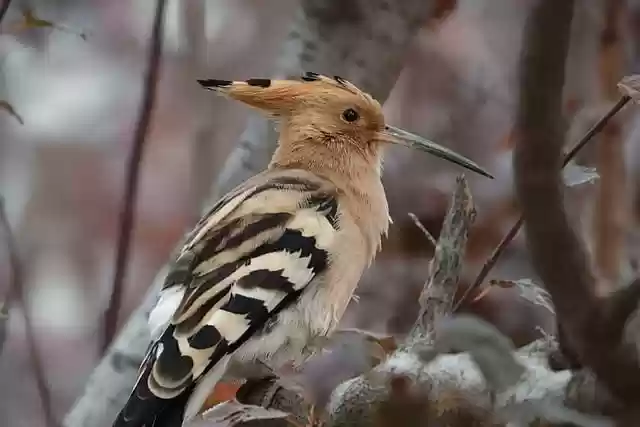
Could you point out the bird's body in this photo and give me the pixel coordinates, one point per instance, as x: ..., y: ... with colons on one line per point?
x: 268, y: 272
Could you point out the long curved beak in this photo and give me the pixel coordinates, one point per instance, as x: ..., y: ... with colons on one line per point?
x: 395, y: 135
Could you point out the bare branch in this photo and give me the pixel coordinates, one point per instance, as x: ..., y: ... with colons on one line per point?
x: 436, y: 299
x: 18, y: 292
x: 513, y: 231
x: 127, y: 215
x: 422, y: 228
x: 610, y: 207
x: 3, y: 8
x: 556, y: 250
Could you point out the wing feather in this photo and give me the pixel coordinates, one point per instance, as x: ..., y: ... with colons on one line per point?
x: 251, y: 256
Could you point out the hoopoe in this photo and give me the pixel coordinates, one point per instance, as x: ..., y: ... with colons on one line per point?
x: 270, y: 269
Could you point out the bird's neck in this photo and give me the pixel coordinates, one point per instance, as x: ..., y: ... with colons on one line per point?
x: 356, y: 173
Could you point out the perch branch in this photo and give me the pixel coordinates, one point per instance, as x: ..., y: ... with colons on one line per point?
x: 127, y: 215
x: 17, y: 291
x: 436, y: 299
x: 557, y: 253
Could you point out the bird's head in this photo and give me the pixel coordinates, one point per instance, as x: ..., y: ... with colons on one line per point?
x: 331, y: 112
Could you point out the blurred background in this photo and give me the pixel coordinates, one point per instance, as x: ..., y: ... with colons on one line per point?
x: 77, y: 86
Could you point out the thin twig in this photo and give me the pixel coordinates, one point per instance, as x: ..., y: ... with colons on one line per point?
x: 127, y: 214
x: 3, y: 8
x: 426, y: 233
x: 511, y: 234
x: 17, y: 292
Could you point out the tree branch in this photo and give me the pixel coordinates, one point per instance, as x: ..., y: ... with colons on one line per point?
x: 3, y: 8
x: 436, y: 299
x: 513, y: 231
x: 17, y: 291
x: 127, y: 215
x: 557, y: 253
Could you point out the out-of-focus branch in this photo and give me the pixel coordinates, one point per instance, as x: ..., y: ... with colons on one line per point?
x: 556, y: 250
x: 3, y: 9
x: 193, y: 18
x: 335, y: 37
x: 611, y: 208
x: 111, y: 382
x: 513, y: 231
x: 17, y: 292
x: 127, y: 215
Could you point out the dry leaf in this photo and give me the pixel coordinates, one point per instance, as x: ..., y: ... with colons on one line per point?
x: 222, y: 392
x: 534, y: 294
x: 4, y: 105
x: 527, y: 289
x: 630, y: 86
x: 30, y: 21
x: 574, y: 174
x: 230, y: 413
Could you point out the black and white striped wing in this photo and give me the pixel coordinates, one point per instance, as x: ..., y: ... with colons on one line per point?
x: 233, y: 275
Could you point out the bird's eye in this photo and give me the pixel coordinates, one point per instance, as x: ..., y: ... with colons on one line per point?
x: 350, y: 115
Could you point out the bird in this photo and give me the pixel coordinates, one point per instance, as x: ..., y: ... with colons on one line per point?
x: 268, y: 271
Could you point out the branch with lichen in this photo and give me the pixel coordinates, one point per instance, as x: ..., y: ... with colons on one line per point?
x: 436, y: 298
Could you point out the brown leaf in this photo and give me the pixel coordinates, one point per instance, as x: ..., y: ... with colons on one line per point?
x: 4, y: 105
x: 222, y: 392
x: 502, y: 283
x: 30, y: 20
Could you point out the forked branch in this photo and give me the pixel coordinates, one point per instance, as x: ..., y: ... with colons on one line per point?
x: 558, y: 255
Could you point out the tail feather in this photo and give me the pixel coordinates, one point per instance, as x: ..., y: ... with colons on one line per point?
x: 144, y: 409
x: 204, y: 387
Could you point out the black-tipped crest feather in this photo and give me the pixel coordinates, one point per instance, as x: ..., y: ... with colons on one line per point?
x: 213, y: 83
